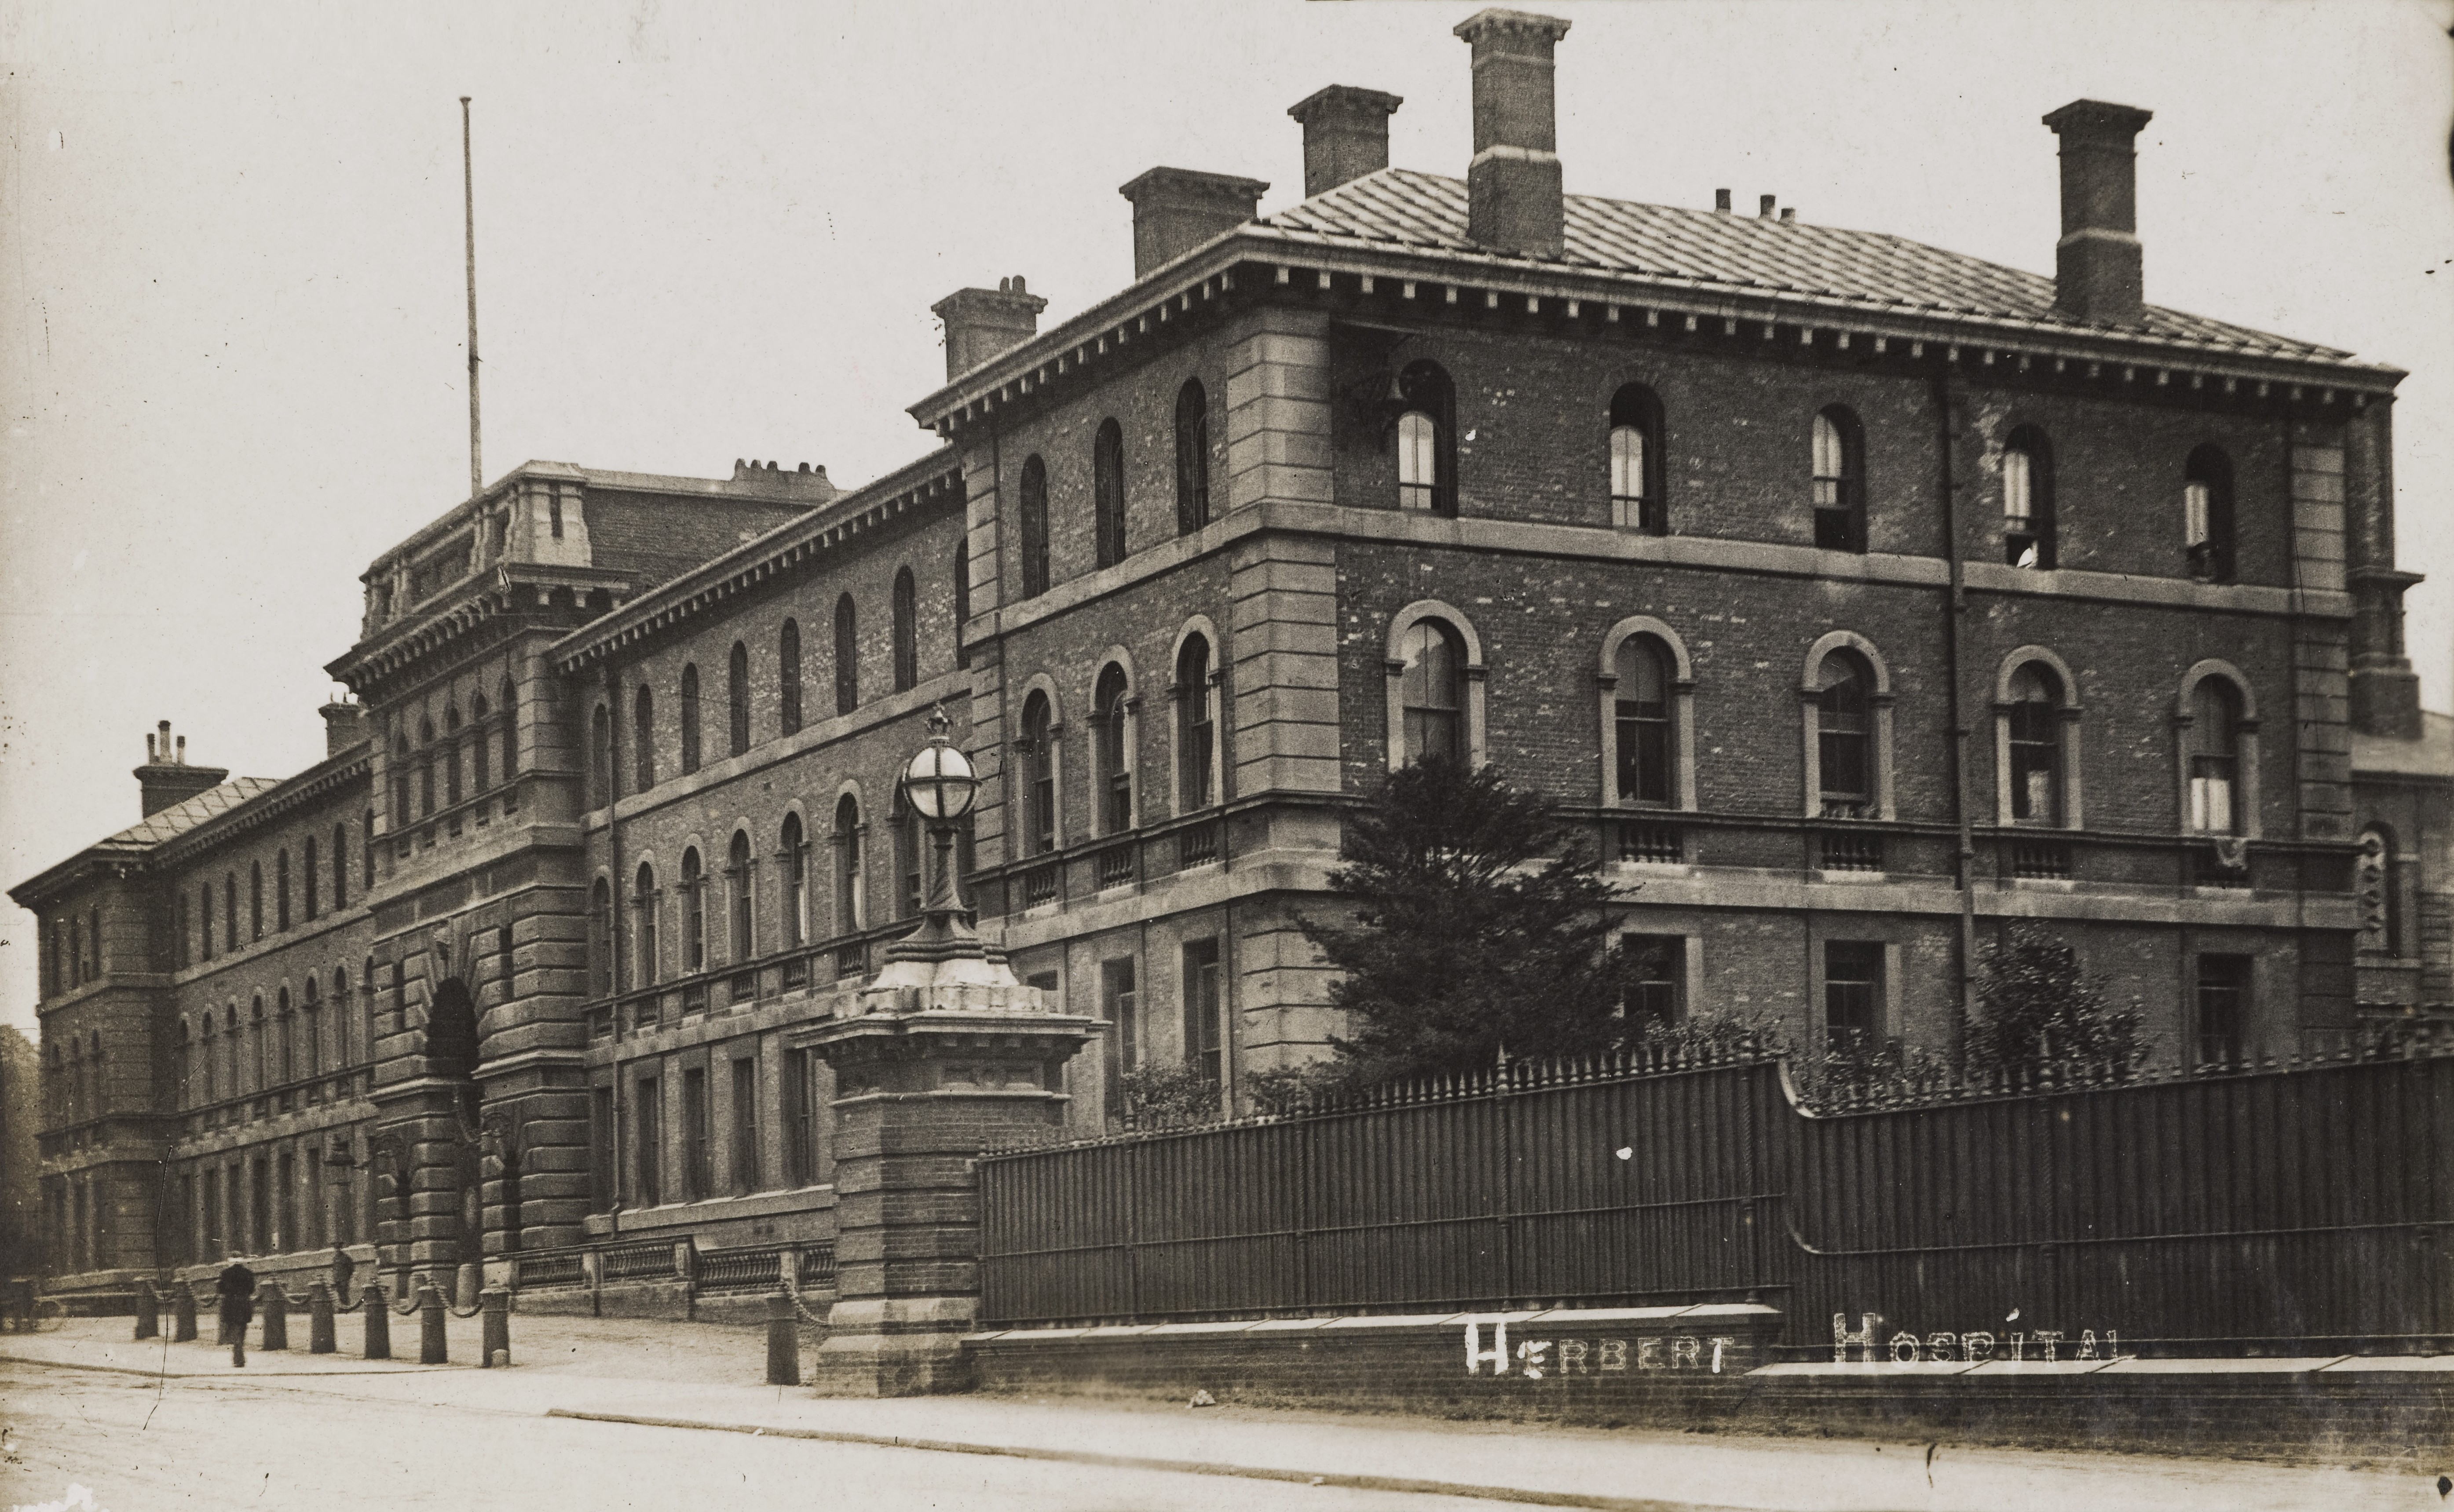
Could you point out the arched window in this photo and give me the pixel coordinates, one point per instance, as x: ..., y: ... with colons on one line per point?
x: 2033, y: 735
x: 644, y: 900
x: 1109, y: 768
x: 367, y: 851
x: 962, y: 599
x: 1034, y: 528
x: 736, y: 877
x: 2216, y: 798
x: 481, y: 769
x: 1426, y: 434
x: 793, y: 852
x: 341, y: 1056
x: 2028, y: 500
x: 77, y: 952
x: 787, y: 676
x: 689, y: 718
x: 208, y: 1054
x: 229, y: 911
x: 2207, y: 515
x: 852, y: 908
x: 400, y: 780
x: 1839, y: 481
x: 693, y: 913
x: 1645, y: 759
x: 1108, y: 492
x: 281, y: 889
x: 600, y: 758
x: 1191, y: 457
x: 1196, y: 737
x: 1845, y: 735
x: 643, y: 740
x: 907, y: 631
x: 311, y: 878
x: 340, y: 867
x: 601, y: 938
x: 426, y: 768
x: 511, y: 715
x: 452, y: 755
x: 255, y: 899
x: 1637, y: 499
x: 2376, y: 886
x: 847, y: 658
x: 1431, y: 692
x: 736, y: 698
x: 285, y: 1055
x: 1038, y: 750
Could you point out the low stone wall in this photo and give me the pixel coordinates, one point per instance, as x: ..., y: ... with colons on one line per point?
x: 1656, y: 1367
x: 669, y: 1301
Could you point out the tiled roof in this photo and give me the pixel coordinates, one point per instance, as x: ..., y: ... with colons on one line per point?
x: 180, y: 817
x: 1717, y: 252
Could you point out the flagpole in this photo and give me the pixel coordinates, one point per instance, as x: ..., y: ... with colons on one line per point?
x: 469, y: 209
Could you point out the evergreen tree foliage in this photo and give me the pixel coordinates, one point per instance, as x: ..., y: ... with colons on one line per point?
x: 2035, y: 1007
x: 1480, y: 926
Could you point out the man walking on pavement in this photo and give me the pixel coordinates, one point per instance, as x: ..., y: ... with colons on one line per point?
x: 237, y: 1288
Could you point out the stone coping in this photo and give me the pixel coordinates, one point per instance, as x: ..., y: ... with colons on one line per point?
x: 1553, y: 1317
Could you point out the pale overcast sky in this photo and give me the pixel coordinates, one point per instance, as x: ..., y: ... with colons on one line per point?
x: 232, y: 352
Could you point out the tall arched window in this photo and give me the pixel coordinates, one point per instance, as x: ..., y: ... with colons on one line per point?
x: 1191, y: 457
x: 367, y: 851
x: 600, y: 758
x: 426, y: 768
x: 229, y: 911
x: 1431, y: 692
x: 694, y: 912
x: 510, y: 719
x: 643, y: 740
x: 281, y: 889
x: 208, y: 1055
x: 452, y: 755
x: 2034, y: 739
x: 788, y: 677
x: 962, y: 599
x: 311, y: 880
x: 644, y: 936
x: 2028, y: 500
x: 2215, y: 759
x: 1195, y: 738
x: 1636, y: 501
x: 1110, y: 771
x: 1108, y: 492
x: 401, y: 767
x: 847, y: 656
x: 1038, y: 750
x: 736, y: 699
x: 601, y: 938
x: 1426, y: 434
x: 1645, y: 763
x: 689, y: 718
x: 2207, y: 515
x: 906, y: 626
x: 77, y: 952
x: 736, y: 877
x: 204, y: 935
x: 255, y: 899
x: 1845, y: 735
x: 340, y: 867
x: 852, y: 908
x: 1034, y: 527
x: 480, y: 750
x: 792, y: 854
x: 1839, y: 481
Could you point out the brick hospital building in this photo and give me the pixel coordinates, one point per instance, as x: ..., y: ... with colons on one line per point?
x: 1861, y: 596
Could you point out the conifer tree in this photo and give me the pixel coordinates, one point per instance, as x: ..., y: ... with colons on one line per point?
x: 2035, y: 1007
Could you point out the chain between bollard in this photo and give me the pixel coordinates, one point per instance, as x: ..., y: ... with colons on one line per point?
x: 794, y: 1292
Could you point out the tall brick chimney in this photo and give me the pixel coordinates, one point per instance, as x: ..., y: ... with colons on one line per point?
x: 166, y: 779
x: 1512, y: 184
x: 1177, y: 209
x: 345, y: 725
x: 1345, y: 134
x: 2385, y: 691
x: 2097, y: 263
x: 980, y: 323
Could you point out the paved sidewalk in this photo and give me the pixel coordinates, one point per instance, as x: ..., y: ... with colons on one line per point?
x: 670, y: 1376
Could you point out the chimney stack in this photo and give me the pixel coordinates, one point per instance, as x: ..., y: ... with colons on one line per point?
x: 166, y: 779
x: 345, y: 725
x: 2096, y: 275
x: 1512, y: 184
x: 982, y: 323
x: 1177, y: 209
x: 1345, y: 134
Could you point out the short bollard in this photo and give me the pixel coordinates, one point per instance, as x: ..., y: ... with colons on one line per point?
x: 379, y: 1315
x: 494, y: 1347
x: 319, y: 1319
x: 183, y: 1315
x: 149, y: 1310
x: 275, y: 1303
x: 783, y: 1342
x: 431, y: 1349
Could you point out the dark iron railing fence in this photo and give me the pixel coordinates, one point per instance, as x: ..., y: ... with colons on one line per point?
x: 2309, y: 1204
